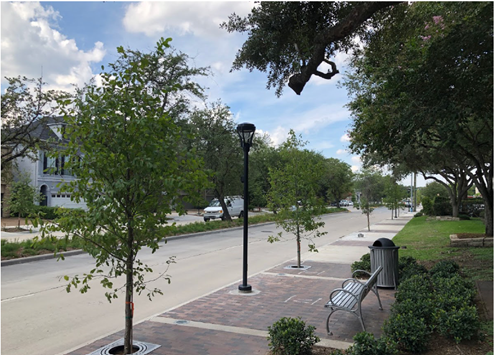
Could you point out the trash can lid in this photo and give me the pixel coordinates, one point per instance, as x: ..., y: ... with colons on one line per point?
x: 383, y: 242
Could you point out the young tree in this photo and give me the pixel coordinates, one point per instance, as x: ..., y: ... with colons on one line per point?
x: 25, y: 107
x: 294, y: 193
x: 216, y: 140
x: 23, y: 199
x: 370, y: 185
x: 133, y: 172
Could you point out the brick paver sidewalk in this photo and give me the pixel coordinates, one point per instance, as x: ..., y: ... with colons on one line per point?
x: 226, y: 322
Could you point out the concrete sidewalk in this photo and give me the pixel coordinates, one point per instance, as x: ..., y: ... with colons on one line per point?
x: 228, y: 322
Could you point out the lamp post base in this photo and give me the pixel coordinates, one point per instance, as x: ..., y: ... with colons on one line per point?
x: 245, y: 288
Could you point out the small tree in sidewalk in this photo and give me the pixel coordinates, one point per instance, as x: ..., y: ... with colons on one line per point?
x: 293, y: 193
x: 133, y: 172
x: 23, y: 199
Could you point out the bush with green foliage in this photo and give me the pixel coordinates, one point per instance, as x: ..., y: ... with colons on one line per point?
x: 408, y: 267
x: 366, y: 344
x: 419, y: 214
x: 408, y: 331
x: 445, y: 268
x: 291, y: 336
x: 363, y: 264
x: 436, y: 300
x: 428, y: 206
x: 459, y: 323
x: 472, y: 207
x: 442, y: 206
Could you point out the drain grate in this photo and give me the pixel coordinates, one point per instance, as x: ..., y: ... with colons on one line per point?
x: 143, y: 348
x: 180, y: 322
x: 294, y: 267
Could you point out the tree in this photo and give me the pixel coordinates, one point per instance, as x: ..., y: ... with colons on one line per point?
x: 218, y: 144
x: 294, y: 193
x: 23, y: 199
x: 25, y: 107
x: 132, y: 174
x: 456, y: 182
x: 393, y: 194
x: 424, y: 84
x: 370, y: 185
x: 263, y: 156
x: 337, y: 180
x: 291, y: 39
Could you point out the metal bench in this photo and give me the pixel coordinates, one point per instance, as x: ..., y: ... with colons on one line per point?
x: 351, y: 294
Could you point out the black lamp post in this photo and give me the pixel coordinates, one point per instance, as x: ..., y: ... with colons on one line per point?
x: 246, y: 134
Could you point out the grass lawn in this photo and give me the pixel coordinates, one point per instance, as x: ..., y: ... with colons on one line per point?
x: 428, y: 241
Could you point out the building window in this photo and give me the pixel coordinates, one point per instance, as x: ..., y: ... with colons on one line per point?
x: 53, y: 166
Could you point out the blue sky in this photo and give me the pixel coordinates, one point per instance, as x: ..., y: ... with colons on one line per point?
x: 69, y: 41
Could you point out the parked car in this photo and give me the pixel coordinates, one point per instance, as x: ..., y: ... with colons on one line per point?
x: 344, y: 203
x: 235, y: 207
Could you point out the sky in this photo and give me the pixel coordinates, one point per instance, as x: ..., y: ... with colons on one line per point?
x: 68, y: 42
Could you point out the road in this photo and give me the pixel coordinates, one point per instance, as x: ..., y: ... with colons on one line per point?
x: 40, y: 317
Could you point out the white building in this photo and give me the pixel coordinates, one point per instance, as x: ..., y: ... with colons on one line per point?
x: 47, y: 174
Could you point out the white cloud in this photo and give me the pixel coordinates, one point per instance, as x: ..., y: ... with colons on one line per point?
x: 31, y: 46
x: 342, y: 151
x: 278, y: 135
x: 354, y: 168
x: 201, y: 18
x: 356, y: 159
x: 345, y: 138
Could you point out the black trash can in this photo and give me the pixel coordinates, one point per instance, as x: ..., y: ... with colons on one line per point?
x: 384, y: 253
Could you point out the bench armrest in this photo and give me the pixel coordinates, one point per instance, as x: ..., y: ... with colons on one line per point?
x: 366, y: 272
x: 352, y: 280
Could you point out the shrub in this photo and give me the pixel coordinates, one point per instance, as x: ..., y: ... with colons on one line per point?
x: 363, y: 264
x: 419, y: 214
x: 49, y: 212
x: 416, y: 287
x: 463, y: 217
x: 442, y: 206
x: 445, y: 268
x: 408, y: 267
x: 408, y: 331
x: 290, y: 336
x: 366, y: 344
x: 458, y: 323
x: 428, y: 206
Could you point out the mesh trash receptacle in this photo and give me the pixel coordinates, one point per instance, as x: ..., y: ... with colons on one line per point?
x: 384, y: 253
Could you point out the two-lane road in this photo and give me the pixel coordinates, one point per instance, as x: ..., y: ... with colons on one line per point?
x: 40, y: 317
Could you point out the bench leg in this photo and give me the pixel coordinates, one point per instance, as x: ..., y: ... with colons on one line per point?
x: 328, y: 319
x: 360, y: 316
x: 376, y: 291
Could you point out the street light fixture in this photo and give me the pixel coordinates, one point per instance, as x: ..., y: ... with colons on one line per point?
x: 246, y: 134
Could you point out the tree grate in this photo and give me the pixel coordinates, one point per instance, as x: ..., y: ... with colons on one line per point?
x: 143, y: 348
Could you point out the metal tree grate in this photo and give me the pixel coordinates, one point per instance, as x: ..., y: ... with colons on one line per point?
x: 143, y: 348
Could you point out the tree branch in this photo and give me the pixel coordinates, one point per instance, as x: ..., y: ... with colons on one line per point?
x: 333, y: 34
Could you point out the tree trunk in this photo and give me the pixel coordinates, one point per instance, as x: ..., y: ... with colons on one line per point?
x: 221, y: 198
x: 298, y: 248
x: 128, y: 338
x: 368, y: 220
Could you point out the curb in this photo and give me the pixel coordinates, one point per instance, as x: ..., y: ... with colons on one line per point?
x: 30, y: 259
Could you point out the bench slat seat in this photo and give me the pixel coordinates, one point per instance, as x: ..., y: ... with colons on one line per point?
x: 351, y: 294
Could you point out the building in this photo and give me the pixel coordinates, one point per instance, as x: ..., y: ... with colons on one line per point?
x: 48, y: 174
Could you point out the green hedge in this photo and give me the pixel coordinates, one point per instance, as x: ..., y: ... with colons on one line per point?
x: 440, y: 300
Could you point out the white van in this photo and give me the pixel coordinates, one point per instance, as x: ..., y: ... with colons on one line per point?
x: 235, y: 206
